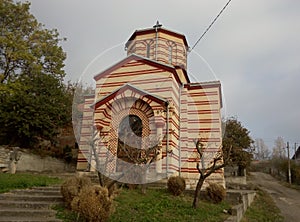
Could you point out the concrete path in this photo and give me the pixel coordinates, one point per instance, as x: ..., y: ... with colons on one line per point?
x: 286, y: 199
x: 30, y: 205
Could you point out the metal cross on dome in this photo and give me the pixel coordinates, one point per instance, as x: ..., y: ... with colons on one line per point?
x: 157, y: 25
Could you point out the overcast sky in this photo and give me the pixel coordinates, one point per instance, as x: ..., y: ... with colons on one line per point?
x: 253, y: 49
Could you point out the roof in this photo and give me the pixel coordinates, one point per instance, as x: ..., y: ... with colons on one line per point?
x: 153, y: 30
x: 125, y: 87
x: 205, y: 85
x: 297, y: 154
x: 145, y: 60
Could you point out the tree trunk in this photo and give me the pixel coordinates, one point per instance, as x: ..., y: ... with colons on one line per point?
x: 197, y: 191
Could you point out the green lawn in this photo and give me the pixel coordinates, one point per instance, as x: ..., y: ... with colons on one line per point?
x: 20, y: 181
x: 159, y: 205
x: 156, y: 205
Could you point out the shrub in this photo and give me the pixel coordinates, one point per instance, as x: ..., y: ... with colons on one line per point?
x: 215, y: 192
x: 176, y: 185
x: 93, y: 203
x: 72, y: 186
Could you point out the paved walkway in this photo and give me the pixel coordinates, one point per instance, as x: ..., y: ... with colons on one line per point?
x: 286, y: 199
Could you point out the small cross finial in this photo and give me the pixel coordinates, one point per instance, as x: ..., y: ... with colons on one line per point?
x: 157, y: 25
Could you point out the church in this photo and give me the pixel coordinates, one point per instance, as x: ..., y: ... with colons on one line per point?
x: 148, y: 100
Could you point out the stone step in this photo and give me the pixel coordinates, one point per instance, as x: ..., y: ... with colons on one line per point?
x: 52, y: 188
x: 32, y: 204
x: 19, y: 212
x: 28, y: 219
x: 31, y: 198
x: 5, y: 204
x: 38, y: 192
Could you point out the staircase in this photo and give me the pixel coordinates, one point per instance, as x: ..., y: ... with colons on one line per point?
x: 30, y: 205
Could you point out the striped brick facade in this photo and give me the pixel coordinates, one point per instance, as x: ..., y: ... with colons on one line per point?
x: 154, y: 86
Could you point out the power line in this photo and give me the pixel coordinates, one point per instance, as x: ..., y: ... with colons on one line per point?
x: 211, y: 24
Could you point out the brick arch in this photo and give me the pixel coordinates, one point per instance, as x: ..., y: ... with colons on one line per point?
x: 138, y: 108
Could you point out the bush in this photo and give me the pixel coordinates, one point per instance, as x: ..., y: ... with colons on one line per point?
x: 93, y: 203
x: 72, y: 186
x: 216, y: 192
x: 176, y: 185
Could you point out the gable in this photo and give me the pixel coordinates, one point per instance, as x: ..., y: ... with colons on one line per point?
x: 128, y: 90
x: 135, y: 65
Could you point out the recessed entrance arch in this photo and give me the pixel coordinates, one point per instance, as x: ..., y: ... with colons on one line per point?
x: 130, y: 133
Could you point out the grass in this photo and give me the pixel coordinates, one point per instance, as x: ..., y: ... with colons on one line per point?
x: 21, y: 181
x: 66, y: 215
x: 157, y: 205
x: 263, y: 208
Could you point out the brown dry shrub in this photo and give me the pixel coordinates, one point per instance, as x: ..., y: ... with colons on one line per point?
x: 72, y: 186
x: 216, y: 192
x: 176, y: 185
x: 94, y: 203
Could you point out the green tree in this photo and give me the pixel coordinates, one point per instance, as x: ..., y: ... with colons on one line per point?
x: 237, y: 144
x: 34, y: 101
x: 26, y: 47
x: 33, y: 108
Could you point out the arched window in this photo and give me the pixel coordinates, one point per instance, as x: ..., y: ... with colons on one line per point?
x: 131, y: 125
x: 129, y: 140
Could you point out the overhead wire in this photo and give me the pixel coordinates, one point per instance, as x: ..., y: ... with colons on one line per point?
x: 211, y: 24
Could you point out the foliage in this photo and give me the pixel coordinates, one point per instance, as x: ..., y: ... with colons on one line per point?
x: 216, y: 192
x: 263, y: 208
x: 176, y: 185
x: 33, y: 108
x: 26, y: 47
x: 94, y: 203
x: 22, y: 181
x: 295, y: 171
x: 34, y: 100
x: 72, y: 187
x: 237, y: 143
x: 282, y: 166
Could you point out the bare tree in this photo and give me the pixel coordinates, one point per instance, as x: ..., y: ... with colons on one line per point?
x: 262, y: 151
x: 104, y: 180
x: 217, y: 162
x: 279, y: 148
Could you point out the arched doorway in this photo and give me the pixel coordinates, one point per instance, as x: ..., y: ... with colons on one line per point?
x: 129, y: 141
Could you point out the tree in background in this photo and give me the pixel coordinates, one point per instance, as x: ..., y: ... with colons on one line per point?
x: 33, y: 108
x: 35, y: 102
x: 26, y: 47
x: 279, y: 151
x: 262, y: 151
x: 237, y: 144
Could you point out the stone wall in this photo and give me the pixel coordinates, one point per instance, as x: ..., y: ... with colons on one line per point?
x: 4, y: 158
x: 35, y: 163
x: 241, y: 199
